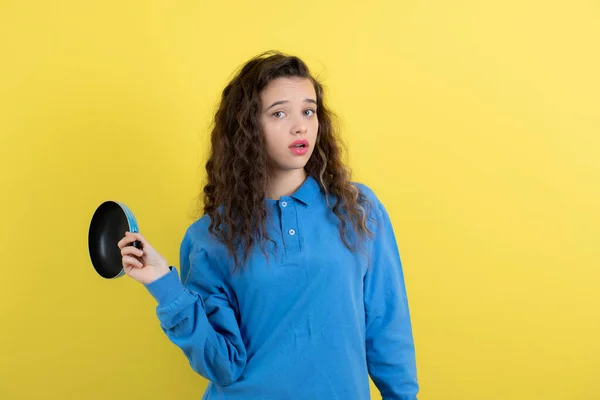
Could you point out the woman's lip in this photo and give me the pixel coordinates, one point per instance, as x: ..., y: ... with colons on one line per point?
x: 299, y: 142
x: 299, y: 151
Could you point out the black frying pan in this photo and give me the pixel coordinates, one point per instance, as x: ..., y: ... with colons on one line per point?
x: 108, y: 226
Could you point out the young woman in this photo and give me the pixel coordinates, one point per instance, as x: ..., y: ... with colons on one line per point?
x: 291, y: 282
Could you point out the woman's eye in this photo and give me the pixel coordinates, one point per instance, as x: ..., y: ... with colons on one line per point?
x: 309, y: 113
x: 278, y: 114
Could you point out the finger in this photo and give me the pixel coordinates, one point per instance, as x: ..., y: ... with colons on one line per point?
x: 137, y: 236
x: 129, y: 261
x: 131, y: 251
x: 126, y: 241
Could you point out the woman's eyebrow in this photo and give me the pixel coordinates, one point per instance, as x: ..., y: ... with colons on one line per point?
x: 277, y: 103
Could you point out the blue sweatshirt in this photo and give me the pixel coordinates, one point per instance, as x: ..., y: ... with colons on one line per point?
x: 311, y: 321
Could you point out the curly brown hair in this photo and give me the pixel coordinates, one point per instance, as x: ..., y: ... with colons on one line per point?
x: 237, y: 173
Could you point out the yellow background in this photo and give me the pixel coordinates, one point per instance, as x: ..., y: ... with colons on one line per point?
x: 477, y: 123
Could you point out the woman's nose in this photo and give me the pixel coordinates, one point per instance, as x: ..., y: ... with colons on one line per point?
x: 299, y: 128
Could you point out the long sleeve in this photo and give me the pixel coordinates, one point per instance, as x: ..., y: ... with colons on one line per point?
x: 389, y: 339
x: 196, y: 315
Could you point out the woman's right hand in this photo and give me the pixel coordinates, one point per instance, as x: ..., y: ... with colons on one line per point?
x: 145, y: 265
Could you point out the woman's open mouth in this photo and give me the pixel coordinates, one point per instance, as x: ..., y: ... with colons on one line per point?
x: 299, y: 147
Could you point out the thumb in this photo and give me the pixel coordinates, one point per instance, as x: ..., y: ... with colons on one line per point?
x: 141, y: 238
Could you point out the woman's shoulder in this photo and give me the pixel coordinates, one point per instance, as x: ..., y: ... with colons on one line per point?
x: 197, y: 232
x: 368, y: 193
x: 199, y: 243
x: 375, y: 207
x: 366, y: 190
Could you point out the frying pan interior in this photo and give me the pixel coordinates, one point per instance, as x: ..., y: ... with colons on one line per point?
x: 109, y: 223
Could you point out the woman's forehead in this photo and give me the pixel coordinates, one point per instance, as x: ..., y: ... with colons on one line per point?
x: 288, y: 86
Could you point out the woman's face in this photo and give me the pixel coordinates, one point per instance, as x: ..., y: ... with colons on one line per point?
x: 289, y: 122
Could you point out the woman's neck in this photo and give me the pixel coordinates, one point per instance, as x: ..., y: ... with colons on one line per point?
x: 285, y: 183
